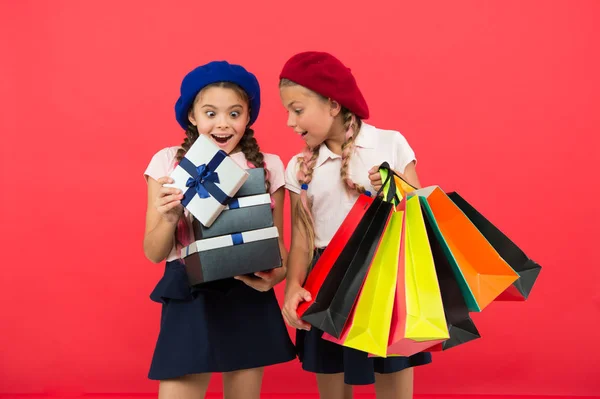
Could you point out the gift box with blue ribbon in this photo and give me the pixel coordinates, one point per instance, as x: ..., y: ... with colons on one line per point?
x: 242, y: 214
x: 232, y: 255
x: 208, y: 179
x: 250, y: 209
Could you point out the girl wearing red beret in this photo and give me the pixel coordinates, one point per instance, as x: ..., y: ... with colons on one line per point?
x: 340, y: 161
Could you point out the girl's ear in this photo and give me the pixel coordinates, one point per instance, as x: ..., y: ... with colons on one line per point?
x: 334, y: 108
x: 191, y: 117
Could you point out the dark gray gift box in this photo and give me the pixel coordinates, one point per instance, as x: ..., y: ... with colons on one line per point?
x: 232, y: 255
x: 242, y: 214
x: 254, y: 185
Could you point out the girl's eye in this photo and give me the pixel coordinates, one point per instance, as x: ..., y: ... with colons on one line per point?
x: 298, y: 111
x: 235, y: 114
x: 210, y: 114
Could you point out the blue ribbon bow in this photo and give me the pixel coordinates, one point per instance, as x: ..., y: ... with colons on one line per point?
x: 203, y: 175
x: 203, y: 179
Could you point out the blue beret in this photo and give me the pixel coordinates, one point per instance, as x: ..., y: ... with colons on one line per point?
x: 214, y: 72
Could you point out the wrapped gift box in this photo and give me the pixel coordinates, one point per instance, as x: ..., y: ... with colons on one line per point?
x: 254, y: 185
x: 232, y: 255
x: 242, y: 214
x: 208, y: 178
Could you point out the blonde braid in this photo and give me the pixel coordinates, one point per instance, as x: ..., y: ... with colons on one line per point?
x: 352, y: 125
x: 306, y: 166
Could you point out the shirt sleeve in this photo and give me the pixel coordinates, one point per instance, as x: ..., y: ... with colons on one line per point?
x: 403, y: 152
x: 291, y: 179
x: 276, y: 172
x: 161, y: 164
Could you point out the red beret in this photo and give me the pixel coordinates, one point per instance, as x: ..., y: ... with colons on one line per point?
x: 326, y: 75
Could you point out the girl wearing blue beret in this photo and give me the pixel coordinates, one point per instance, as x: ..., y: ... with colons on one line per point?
x: 231, y: 326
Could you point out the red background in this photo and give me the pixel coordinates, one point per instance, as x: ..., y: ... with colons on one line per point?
x: 498, y: 98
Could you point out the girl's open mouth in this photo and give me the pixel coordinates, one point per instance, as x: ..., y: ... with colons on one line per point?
x: 222, y: 138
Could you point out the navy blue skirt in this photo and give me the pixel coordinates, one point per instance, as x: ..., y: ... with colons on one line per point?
x: 220, y: 327
x: 324, y: 357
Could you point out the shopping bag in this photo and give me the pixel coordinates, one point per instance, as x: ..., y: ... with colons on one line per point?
x: 337, y: 295
x: 460, y: 325
x: 369, y: 325
x: 358, y: 219
x: 418, y: 319
x: 480, y: 271
x: 398, y: 188
x: 527, y: 269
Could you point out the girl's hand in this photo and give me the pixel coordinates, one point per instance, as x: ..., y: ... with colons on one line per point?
x: 375, y: 177
x: 264, y: 281
x: 168, y: 201
x: 293, y: 296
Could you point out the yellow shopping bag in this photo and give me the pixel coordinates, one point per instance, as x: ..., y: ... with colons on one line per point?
x: 425, y: 312
x: 370, y: 328
x: 418, y: 320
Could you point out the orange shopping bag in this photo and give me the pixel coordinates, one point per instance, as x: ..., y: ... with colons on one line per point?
x: 480, y: 271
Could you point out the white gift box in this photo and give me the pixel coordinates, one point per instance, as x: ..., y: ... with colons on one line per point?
x: 209, y: 178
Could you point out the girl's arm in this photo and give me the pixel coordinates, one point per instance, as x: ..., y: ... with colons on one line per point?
x: 410, y: 175
x: 298, y: 262
x: 299, y: 257
x: 162, y: 214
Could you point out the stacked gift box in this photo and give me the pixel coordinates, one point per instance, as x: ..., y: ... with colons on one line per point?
x: 234, y: 229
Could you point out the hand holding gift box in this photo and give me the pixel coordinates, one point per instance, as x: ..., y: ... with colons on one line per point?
x: 208, y: 179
